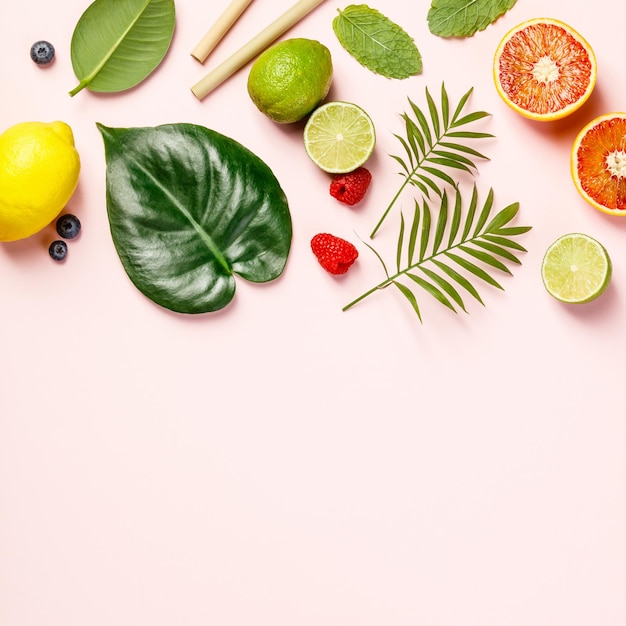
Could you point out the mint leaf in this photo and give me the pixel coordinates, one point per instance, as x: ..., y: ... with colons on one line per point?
x: 376, y: 42
x: 463, y: 18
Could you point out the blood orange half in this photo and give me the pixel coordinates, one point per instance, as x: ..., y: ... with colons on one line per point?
x: 544, y: 69
x: 598, y: 163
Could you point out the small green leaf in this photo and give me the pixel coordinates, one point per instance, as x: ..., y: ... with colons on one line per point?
x: 441, y: 223
x: 503, y: 217
x: 459, y: 278
x: 408, y: 294
x: 474, y: 269
x: 446, y: 286
x: 504, y: 241
x: 488, y: 259
x: 463, y: 18
x: 190, y: 209
x: 432, y: 290
x: 425, y: 233
x: 376, y: 42
x: 495, y: 249
x: 117, y: 44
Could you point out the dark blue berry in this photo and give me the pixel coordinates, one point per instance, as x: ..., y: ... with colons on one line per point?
x: 58, y: 250
x: 42, y: 52
x: 68, y: 226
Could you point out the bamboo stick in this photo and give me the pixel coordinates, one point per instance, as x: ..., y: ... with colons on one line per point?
x: 215, y: 34
x: 257, y: 44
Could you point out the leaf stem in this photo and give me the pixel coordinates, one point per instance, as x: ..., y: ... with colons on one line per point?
x: 390, y: 279
x: 79, y: 87
x: 393, y: 201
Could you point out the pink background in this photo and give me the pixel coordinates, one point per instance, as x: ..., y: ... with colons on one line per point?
x: 282, y: 462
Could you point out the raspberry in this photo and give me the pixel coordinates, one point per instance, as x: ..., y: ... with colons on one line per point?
x: 334, y: 254
x: 350, y: 188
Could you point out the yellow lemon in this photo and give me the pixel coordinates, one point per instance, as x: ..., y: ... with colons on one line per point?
x: 39, y: 168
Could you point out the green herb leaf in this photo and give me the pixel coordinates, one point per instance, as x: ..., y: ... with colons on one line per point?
x: 476, y: 246
x: 376, y: 42
x: 188, y: 210
x: 463, y: 18
x: 116, y: 45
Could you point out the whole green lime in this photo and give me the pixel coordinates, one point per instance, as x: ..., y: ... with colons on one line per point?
x: 289, y: 79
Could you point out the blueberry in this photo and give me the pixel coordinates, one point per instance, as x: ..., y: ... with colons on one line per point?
x: 68, y: 226
x: 42, y: 52
x: 58, y: 250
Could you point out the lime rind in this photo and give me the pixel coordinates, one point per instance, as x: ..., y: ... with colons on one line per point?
x: 576, y: 269
x: 339, y: 137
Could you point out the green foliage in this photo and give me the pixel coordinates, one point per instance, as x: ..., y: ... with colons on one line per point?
x: 117, y: 44
x: 463, y: 18
x: 376, y: 42
x: 435, y: 144
x: 189, y: 210
x: 446, y: 253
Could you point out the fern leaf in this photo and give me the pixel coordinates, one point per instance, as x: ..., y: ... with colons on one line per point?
x: 447, y: 249
x: 434, y: 144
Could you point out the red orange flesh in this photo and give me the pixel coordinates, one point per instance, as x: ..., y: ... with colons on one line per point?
x: 544, y: 69
x: 598, y: 163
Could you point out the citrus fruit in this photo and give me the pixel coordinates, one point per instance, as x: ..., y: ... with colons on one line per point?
x: 339, y: 137
x: 576, y: 269
x: 598, y: 163
x: 39, y: 168
x: 289, y: 79
x: 544, y: 69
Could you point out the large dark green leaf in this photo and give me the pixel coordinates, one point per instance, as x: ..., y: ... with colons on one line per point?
x: 117, y: 43
x: 189, y: 209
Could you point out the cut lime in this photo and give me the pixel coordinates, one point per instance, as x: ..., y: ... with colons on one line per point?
x: 339, y: 137
x: 576, y: 269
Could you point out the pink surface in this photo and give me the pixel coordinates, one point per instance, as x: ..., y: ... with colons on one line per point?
x: 283, y: 462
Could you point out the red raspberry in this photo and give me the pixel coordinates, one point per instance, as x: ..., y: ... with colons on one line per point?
x: 335, y: 255
x: 350, y: 188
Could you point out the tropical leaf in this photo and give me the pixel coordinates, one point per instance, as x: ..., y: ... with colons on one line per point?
x: 116, y: 44
x: 191, y: 212
x: 435, y: 144
x: 448, y: 255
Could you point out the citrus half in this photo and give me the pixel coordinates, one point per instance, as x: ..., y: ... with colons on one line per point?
x: 544, y: 69
x: 339, y: 137
x: 598, y: 163
x: 576, y: 269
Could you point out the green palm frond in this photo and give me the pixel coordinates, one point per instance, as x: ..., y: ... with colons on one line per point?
x: 446, y: 253
x: 436, y: 143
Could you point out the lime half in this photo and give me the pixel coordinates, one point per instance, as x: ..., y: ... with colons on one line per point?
x: 576, y: 269
x: 339, y: 137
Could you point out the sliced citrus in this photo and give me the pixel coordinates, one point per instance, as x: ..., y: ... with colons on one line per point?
x: 544, y: 69
x: 576, y: 269
x: 339, y: 137
x: 598, y: 163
